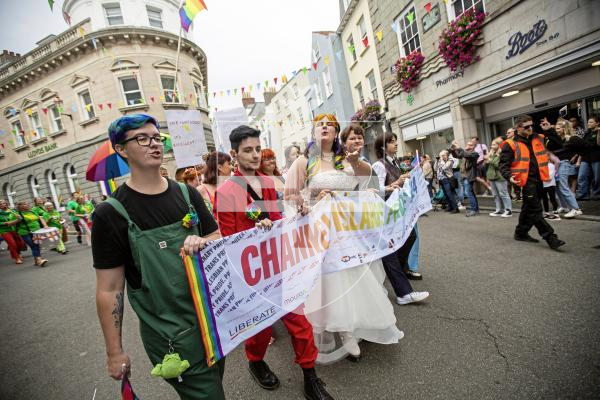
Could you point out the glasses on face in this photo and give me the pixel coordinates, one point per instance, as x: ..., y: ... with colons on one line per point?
x: 527, y: 127
x: 145, y: 140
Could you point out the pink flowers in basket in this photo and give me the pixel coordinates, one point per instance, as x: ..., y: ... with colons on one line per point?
x: 408, y: 70
x: 458, y: 41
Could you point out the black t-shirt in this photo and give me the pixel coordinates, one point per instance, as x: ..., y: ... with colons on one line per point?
x: 110, y: 243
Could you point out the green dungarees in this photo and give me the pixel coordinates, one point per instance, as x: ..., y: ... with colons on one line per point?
x: 164, y: 305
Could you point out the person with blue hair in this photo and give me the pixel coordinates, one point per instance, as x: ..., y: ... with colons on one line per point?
x: 137, y: 237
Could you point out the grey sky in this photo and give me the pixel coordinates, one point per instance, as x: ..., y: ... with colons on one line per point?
x: 245, y: 41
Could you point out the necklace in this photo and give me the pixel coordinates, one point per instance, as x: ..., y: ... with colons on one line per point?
x: 327, y: 157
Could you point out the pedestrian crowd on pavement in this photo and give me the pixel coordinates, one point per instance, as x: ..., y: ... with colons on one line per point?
x: 33, y: 225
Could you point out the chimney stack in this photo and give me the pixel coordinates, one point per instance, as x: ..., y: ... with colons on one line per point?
x: 247, y: 100
x: 269, y: 94
x: 8, y: 57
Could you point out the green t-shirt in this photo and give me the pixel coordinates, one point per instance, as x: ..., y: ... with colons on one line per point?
x: 7, y: 216
x: 72, y: 205
x: 29, y: 224
x: 89, y: 208
x: 38, y: 210
x: 53, y: 219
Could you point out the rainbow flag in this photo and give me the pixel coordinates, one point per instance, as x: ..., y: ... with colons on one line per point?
x: 201, y: 298
x: 188, y: 11
x: 110, y: 186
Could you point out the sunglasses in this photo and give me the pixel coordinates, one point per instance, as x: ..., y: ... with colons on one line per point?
x: 527, y: 127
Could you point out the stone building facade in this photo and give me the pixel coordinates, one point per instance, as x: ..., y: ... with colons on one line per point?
x: 58, y: 100
x: 555, y: 68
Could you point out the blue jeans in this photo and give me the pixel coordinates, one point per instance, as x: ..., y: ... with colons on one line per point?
x: 450, y: 194
x: 566, y: 198
x: 588, y: 172
x: 460, y: 192
x: 35, y: 248
x: 501, y: 197
x: 468, y: 188
x: 413, y: 256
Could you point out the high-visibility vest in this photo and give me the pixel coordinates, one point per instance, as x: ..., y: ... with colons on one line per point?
x: 520, y: 166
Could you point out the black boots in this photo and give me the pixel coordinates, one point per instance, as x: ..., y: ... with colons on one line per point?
x: 525, y: 238
x: 263, y: 375
x: 314, y: 387
x: 554, y: 242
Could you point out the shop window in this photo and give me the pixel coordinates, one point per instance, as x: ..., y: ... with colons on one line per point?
x: 19, y: 133
x: 54, y: 188
x: 87, y: 105
x: 408, y: 32
x: 351, y: 47
x: 360, y: 94
x: 372, y: 85
x: 113, y: 13
x: 456, y: 8
x: 10, y: 193
x: 327, y: 82
x: 34, y: 186
x: 36, y: 126
x: 131, y: 91
x: 170, y: 91
x: 593, y: 107
x: 56, y: 123
x: 155, y: 17
x: 71, y: 175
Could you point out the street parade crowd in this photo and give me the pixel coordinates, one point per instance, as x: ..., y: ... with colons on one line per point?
x: 549, y: 172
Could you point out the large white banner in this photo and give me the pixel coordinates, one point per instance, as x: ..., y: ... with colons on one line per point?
x: 224, y: 122
x: 253, y: 278
x: 187, y: 136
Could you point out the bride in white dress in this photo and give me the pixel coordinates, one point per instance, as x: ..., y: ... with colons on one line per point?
x: 351, y: 304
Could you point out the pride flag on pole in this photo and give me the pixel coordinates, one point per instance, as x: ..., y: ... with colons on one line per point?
x: 188, y: 11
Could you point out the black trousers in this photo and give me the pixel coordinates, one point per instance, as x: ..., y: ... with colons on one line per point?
x: 395, y: 263
x: 531, y: 211
x: 550, y: 194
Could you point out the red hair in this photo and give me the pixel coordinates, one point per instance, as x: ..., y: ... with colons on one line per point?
x: 268, y: 153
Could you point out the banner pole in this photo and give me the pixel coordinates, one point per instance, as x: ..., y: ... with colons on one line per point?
x: 177, y: 83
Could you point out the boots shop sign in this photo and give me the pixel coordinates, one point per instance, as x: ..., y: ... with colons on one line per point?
x: 519, y: 42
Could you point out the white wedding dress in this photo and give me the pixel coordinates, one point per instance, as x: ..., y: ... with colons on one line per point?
x: 352, y: 300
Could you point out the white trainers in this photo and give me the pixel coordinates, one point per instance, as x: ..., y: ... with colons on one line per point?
x: 572, y: 214
x: 350, y: 344
x: 562, y: 210
x: 496, y: 214
x: 461, y: 207
x: 412, y: 298
x: 506, y: 214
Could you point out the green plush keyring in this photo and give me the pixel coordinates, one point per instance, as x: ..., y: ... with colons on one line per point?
x: 171, y: 367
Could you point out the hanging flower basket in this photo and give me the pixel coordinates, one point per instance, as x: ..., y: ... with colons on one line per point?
x: 371, y: 112
x: 458, y: 41
x: 408, y: 70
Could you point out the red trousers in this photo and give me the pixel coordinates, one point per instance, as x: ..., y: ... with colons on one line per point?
x: 13, y: 245
x: 302, y: 339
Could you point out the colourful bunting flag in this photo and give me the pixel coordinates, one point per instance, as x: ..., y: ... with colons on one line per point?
x: 411, y: 17
x: 275, y: 80
x: 428, y: 7
x: 235, y: 91
x: 45, y: 110
x: 61, y: 110
x: 351, y: 48
x: 67, y: 17
x: 81, y: 32
x: 101, y: 106
x: 152, y: 99
x: 315, y: 65
x: 395, y: 27
x: 51, y: 4
x: 222, y: 93
x: 29, y: 112
x: 284, y: 79
x: 214, y: 94
x: 188, y: 11
x: 379, y: 35
x: 266, y: 84
x: 228, y: 92
x: 365, y: 41
x: 326, y: 59
x: 304, y: 70
x: 250, y: 87
x: 243, y: 89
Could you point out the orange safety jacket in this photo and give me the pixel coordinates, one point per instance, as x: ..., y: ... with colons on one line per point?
x: 520, y: 166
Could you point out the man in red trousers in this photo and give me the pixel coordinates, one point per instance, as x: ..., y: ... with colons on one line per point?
x: 245, y: 201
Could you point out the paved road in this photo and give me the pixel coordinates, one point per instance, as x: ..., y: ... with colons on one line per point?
x: 505, y: 320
